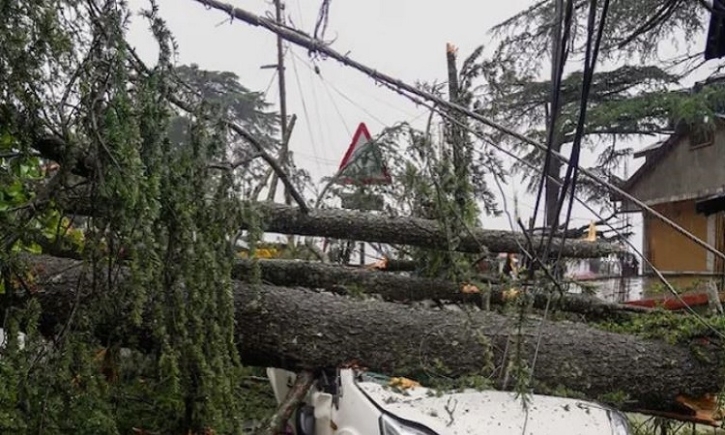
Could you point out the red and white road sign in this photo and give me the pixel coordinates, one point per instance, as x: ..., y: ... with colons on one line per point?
x: 363, y: 163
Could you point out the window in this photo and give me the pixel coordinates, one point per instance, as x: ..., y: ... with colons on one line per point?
x: 701, y: 137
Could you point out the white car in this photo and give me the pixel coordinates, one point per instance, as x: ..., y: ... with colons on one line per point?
x: 356, y: 403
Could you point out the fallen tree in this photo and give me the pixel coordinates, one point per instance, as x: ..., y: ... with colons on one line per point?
x: 349, y: 224
x: 374, y: 228
x: 299, y: 329
x: 395, y: 287
x: 401, y: 288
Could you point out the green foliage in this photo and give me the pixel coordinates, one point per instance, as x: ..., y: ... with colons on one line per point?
x: 526, y: 37
x: 226, y: 97
x: 231, y: 99
x: 39, y: 41
x: 629, y: 101
x: 160, y: 210
x: 632, y: 97
x: 670, y: 326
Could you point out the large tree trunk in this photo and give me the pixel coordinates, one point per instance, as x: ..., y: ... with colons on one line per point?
x: 354, y: 225
x: 296, y: 329
x: 401, y: 288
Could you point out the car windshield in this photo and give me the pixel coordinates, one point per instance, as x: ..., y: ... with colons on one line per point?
x: 377, y: 378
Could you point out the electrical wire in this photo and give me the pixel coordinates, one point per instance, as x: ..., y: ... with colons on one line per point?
x: 570, y: 179
x: 323, y: 18
x: 308, y: 124
x: 269, y: 85
x: 316, y: 107
x: 416, y: 95
x: 405, y: 89
x: 349, y: 99
x: 636, y: 251
x: 337, y: 109
x: 559, y: 60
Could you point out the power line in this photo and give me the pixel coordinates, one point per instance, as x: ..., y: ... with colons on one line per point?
x: 313, y: 142
x: 590, y: 60
x: 340, y: 93
x: 559, y: 56
x: 304, y: 40
x: 639, y: 253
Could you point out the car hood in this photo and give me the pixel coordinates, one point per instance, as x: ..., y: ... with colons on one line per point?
x: 493, y: 412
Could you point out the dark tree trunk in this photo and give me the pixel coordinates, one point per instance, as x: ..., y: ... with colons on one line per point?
x: 300, y: 329
x: 354, y: 225
x: 400, y: 288
x: 393, y: 265
x: 552, y: 188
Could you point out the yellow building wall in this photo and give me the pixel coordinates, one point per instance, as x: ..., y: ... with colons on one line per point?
x: 719, y: 242
x: 670, y: 251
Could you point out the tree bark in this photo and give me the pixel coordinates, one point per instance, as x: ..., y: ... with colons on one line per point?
x: 295, y: 396
x: 393, y: 265
x: 354, y: 225
x: 373, y: 228
x: 349, y: 280
x: 400, y: 288
x: 299, y: 329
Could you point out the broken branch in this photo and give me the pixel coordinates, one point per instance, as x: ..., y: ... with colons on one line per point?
x: 295, y: 395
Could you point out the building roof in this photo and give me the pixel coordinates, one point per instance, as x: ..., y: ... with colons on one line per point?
x: 655, y: 153
x: 649, y: 148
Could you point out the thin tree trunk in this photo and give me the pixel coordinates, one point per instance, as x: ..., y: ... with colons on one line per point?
x: 377, y: 228
x: 295, y: 396
x: 457, y: 136
x: 354, y: 225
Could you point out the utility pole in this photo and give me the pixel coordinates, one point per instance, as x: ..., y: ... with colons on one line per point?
x: 284, y: 150
x: 285, y: 128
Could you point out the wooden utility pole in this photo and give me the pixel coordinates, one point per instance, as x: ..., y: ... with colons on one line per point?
x: 284, y: 150
x: 285, y: 128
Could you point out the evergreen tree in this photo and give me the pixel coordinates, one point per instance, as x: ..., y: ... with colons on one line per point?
x: 158, y: 250
x: 637, y: 91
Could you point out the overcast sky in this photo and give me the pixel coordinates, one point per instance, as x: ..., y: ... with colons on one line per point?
x: 403, y: 38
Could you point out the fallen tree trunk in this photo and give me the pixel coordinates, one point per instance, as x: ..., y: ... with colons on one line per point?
x: 355, y: 225
x: 375, y: 228
x: 299, y: 329
x: 393, y: 265
x: 350, y: 280
x: 392, y: 287
x: 350, y: 225
x: 400, y: 288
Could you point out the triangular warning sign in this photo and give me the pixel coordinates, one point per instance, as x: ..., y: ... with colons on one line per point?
x: 363, y: 161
